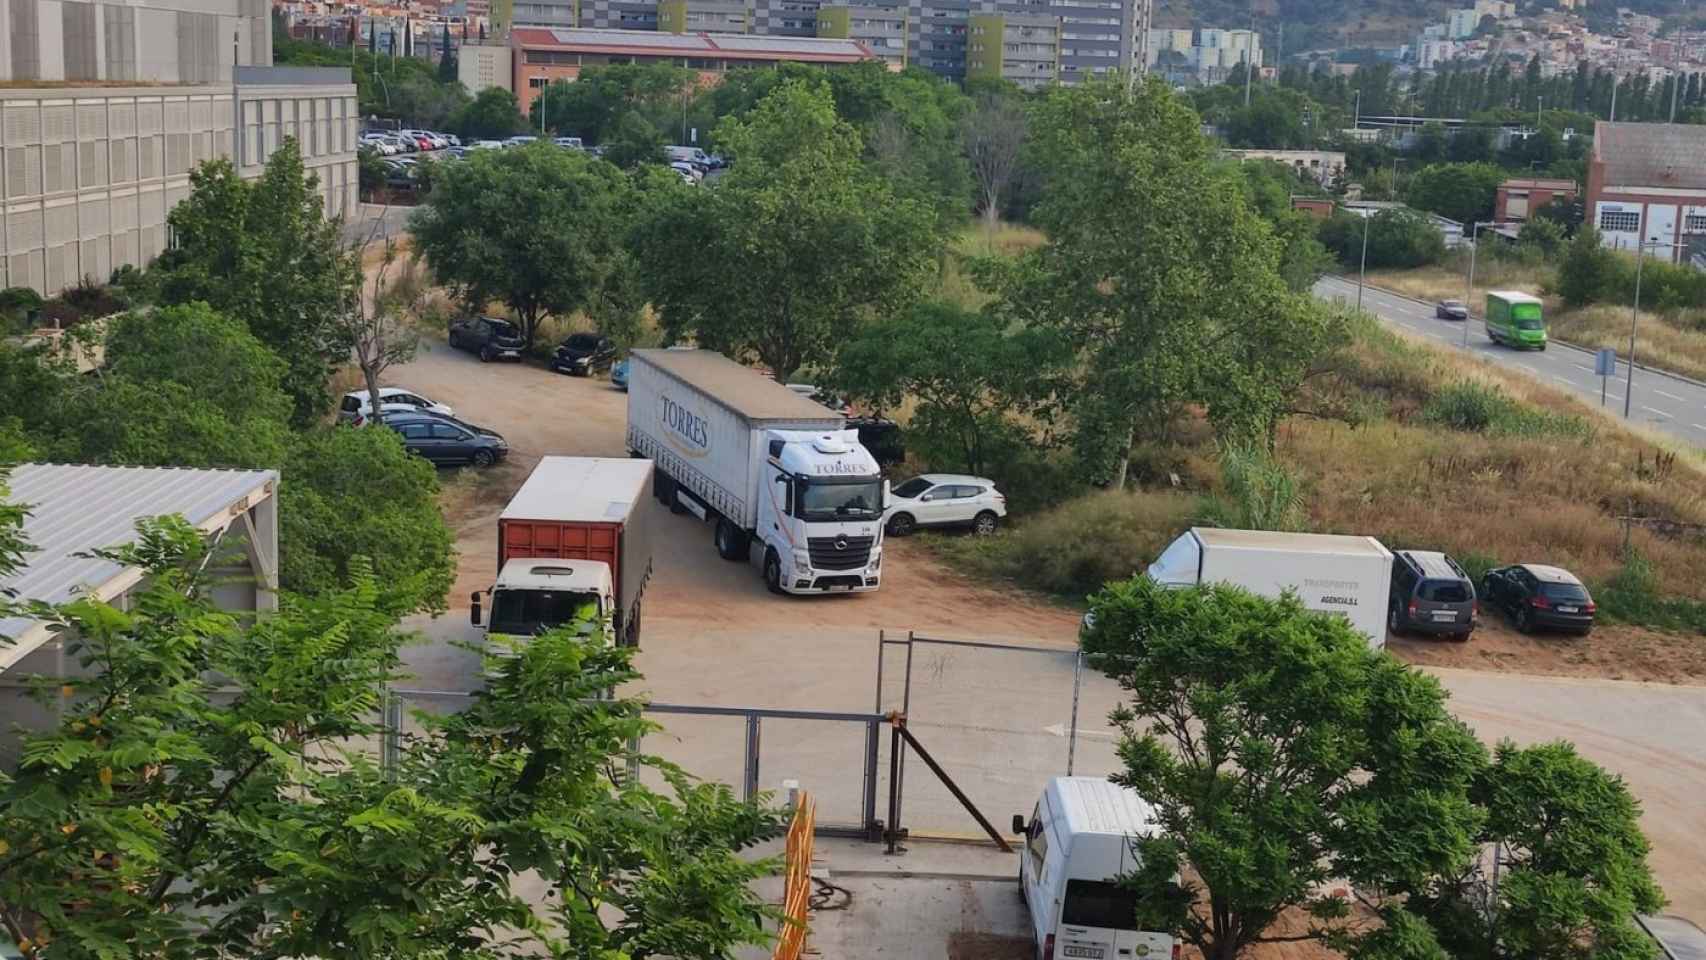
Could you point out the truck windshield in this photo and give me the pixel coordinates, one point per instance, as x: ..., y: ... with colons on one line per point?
x: 1099, y: 903
x: 841, y: 499
x: 523, y: 613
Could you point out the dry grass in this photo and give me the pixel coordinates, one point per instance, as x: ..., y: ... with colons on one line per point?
x: 1008, y: 240
x: 1671, y: 340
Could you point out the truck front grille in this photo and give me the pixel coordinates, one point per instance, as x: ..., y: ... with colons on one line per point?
x: 840, y: 553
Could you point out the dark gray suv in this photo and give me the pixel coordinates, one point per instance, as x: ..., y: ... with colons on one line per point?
x: 1430, y: 594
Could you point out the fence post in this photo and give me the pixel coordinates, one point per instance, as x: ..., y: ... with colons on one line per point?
x: 1072, y: 735
x: 868, y: 805
x: 893, y: 829
x: 750, y: 788
x: 391, y: 722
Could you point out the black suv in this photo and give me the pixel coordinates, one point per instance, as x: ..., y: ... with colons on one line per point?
x: 443, y: 439
x: 583, y: 353
x: 1430, y: 594
x: 1536, y: 595
x: 490, y: 337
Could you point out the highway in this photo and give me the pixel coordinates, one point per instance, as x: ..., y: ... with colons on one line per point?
x: 1661, y: 401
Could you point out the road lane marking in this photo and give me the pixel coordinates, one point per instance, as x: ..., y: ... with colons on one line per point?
x: 1651, y: 410
x: 1670, y: 395
x: 1699, y: 426
x: 1564, y: 380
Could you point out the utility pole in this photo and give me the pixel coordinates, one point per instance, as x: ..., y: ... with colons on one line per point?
x: 1615, y: 83
x: 1250, y: 55
x: 236, y: 105
x: 1362, y: 270
x: 1469, y: 292
x: 1539, y: 104
x: 1675, y: 81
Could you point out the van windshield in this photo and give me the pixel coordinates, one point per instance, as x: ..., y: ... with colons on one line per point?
x: 1099, y: 903
x: 523, y: 613
x: 1527, y: 316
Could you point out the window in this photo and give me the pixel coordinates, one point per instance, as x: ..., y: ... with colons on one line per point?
x: 1036, y: 842
x: 966, y: 493
x: 414, y: 431
x: 911, y: 488
x: 1694, y: 223
x: 1624, y: 221
x: 1444, y: 591
x: 1099, y: 903
x: 444, y: 431
x: 1564, y: 591
x: 1403, y: 577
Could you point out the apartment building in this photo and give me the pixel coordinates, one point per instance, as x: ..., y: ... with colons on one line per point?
x: 883, y: 29
x: 1205, y: 56
x: 1025, y: 50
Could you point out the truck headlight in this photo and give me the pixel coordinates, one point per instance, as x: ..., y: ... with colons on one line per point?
x: 802, y: 562
x: 876, y: 561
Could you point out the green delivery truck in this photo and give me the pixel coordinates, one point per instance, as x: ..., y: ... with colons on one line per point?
x: 1514, y: 319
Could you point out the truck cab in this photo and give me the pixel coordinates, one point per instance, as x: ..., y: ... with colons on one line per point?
x: 534, y: 595
x: 821, y: 515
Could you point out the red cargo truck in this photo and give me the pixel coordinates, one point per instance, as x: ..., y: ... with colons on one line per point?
x: 576, y: 533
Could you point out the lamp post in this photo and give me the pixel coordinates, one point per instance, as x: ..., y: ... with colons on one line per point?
x: 1356, y: 117
x: 1362, y: 270
x: 1469, y: 292
x: 1395, y: 162
x: 1634, y: 317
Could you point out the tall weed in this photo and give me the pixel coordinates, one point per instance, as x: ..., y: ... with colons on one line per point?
x: 1257, y: 493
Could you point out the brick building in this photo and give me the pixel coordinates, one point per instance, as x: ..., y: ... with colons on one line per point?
x: 1516, y: 200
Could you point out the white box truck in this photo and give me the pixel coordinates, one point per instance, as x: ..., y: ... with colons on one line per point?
x: 576, y: 533
x: 1077, y: 846
x: 781, y: 477
x: 1350, y: 576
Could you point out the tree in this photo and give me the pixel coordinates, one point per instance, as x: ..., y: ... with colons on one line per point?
x: 491, y: 115
x: 794, y: 246
x: 1573, y: 865
x: 1396, y: 238
x: 1457, y: 191
x: 1253, y: 376
x: 356, y: 493
x: 538, y: 228
x: 633, y: 141
x: 1589, y: 270
x: 209, y: 790
x: 266, y: 254
x: 598, y: 100
x: 993, y: 133
x: 1279, y: 751
x: 376, y: 321
x: 968, y: 375
x: 1151, y: 254
x: 1543, y: 234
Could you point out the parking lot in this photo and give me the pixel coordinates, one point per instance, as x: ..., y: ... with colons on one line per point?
x: 714, y: 636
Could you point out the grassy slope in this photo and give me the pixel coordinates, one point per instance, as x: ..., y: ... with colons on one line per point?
x: 1674, y: 341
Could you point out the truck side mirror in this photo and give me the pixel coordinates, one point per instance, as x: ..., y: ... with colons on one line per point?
x: 885, y: 504
x: 1018, y: 823
x: 474, y: 608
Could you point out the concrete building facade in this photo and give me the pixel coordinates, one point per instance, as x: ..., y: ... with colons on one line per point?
x: 883, y: 29
x: 1025, y: 50
x: 88, y: 174
x: 1647, y: 185
x: 164, y: 41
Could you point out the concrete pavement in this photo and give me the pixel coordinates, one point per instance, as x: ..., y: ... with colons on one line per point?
x: 1661, y: 401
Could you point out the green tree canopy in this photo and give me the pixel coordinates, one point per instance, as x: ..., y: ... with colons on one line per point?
x: 492, y: 115
x: 633, y: 141
x: 1457, y: 191
x: 793, y: 247
x: 265, y: 253
x: 538, y: 228
x: 1589, y: 270
x: 597, y: 101
x: 1396, y: 238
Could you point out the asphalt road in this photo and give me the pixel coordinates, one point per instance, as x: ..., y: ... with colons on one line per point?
x: 1661, y: 401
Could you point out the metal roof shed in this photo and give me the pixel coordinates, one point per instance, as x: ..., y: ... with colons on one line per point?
x: 76, y: 508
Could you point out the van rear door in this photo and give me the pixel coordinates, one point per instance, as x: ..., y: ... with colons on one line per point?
x: 1098, y: 921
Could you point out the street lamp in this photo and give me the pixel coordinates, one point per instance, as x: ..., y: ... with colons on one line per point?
x: 1395, y: 162
x: 1634, y: 316
x: 1469, y: 293
x: 1362, y: 270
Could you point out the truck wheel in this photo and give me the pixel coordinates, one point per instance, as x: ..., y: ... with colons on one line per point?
x: 631, y: 635
x: 985, y: 523
x: 772, y: 570
x: 901, y: 524
x: 731, y: 540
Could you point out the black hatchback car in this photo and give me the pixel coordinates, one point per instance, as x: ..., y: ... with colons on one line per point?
x: 1430, y: 594
x: 490, y: 337
x: 446, y: 440
x: 583, y: 353
x: 1537, y: 596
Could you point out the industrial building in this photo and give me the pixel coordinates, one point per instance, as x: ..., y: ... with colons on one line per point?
x: 1647, y: 185
x: 130, y: 100
x: 1516, y: 200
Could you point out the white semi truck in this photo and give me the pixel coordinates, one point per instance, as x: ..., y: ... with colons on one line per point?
x: 781, y: 477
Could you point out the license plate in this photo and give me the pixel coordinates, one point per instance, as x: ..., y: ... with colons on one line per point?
x: 1568, y: 609
x: 1091, y: 953
x: 1445, y: 615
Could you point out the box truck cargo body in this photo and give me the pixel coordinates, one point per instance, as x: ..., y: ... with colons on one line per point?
x: 577, y: 531
x: 781, y: 477
x: 1350, y: 576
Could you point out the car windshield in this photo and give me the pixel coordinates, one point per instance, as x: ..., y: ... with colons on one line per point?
x: 1564, y: 591
x: 1444, y: 591
x: 584, y: 341
x: 851, y: 499
x: 524, y: 613
x: 1099, y: 903
x: 912, y: 488
x: 1452, y: 304
x: 503, y: 328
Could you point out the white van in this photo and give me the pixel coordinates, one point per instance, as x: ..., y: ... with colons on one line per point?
x: 693, y: 155
x: 1076, y: 849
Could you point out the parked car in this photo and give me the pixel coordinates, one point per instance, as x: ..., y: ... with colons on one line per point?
x: 1537, y: 596
x: 1451, y: 310
x: 1431, y: 594
x: 716, y: 161
x: 619, y: 374
x: 454, y: 140
x: 569, y: 143
x: 688, y: 170
x: 490, y: 337
x: 355, y: 405
x: 445, y: 440
x: 945, y: 500
x: 583, y: 353
x: 487, y: 145
x: 519, y: 141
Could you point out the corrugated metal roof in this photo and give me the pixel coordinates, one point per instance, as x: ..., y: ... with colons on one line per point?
x: 76, y: 508
x: 1670, y: 155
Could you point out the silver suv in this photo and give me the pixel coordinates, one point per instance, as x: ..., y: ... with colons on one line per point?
x: 1431, y: 594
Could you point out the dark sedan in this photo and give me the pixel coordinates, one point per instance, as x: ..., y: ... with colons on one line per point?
x: 1451, y: 310
x: 447, y: 440
x: 1537, y: 596
x: 583, y: 353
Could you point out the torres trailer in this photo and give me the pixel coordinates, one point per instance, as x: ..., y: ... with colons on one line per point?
x: 781, y: 477
x: 576, y: 533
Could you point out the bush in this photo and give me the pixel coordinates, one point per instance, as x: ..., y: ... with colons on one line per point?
x: 1632, y: 596
x: 1258, y: 493
x: 1396, y: 238
x: 1588, y: 270
x: 1478, y: 408
x: 1075, y: 548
